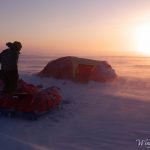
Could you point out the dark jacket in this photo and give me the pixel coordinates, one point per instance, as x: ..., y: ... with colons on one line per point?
x: 9, y: 59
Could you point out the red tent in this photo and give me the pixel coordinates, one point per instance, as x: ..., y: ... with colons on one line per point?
x: 79, y: 69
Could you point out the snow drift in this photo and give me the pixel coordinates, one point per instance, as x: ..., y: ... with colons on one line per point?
x: 93, y: 116
x: 79, y: 69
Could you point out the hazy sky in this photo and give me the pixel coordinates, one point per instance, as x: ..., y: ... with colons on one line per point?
x: 73, y: 27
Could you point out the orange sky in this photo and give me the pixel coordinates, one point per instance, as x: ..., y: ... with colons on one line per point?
x: 65, y: 27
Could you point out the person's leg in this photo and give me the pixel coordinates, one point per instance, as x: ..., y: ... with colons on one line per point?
x: 6, y: 81
x: 1, y: 81
x: 12, y: 81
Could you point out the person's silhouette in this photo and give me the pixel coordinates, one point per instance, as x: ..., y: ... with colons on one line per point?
x: 9, y: 68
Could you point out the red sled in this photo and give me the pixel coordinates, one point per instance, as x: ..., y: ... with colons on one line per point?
x: 30, y: 99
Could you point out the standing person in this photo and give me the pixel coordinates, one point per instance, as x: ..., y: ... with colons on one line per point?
x: 9, y: 68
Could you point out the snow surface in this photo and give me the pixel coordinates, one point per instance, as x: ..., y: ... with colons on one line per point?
x: 93, y: 116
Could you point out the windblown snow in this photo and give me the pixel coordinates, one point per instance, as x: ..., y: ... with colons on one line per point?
x: 93, y: 116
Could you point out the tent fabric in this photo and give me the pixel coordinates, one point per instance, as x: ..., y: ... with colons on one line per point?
x: 79, y: 69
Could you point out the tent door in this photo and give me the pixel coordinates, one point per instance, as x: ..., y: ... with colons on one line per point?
x: 83, y: 72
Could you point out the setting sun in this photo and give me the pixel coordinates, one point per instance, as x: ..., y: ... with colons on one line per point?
x: 143, y: 39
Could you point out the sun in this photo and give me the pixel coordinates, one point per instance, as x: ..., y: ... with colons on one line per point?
x: 142, y: 36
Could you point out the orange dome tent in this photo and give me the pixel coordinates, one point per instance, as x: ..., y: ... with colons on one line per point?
x: 79, y: 69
